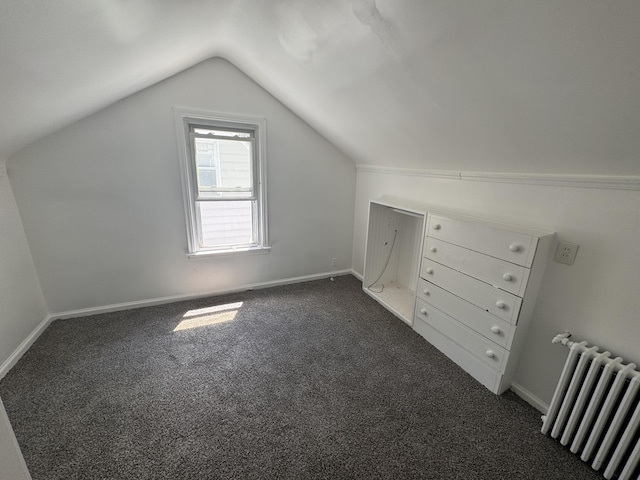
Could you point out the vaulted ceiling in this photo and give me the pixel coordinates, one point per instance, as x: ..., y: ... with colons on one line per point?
x: 481, y: 85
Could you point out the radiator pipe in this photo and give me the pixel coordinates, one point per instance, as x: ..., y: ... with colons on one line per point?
x: 563, y: 338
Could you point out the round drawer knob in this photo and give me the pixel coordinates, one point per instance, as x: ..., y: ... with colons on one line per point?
x: 437, y: 226
x: 514, y: 248
x: 507, y: 277
x: 433, y: 249
x: 500, y: 304
x: 495, y: 329
x: 490, y: 354
x: 423, y: 311
x: 429, y: 271
x: 426, y: 292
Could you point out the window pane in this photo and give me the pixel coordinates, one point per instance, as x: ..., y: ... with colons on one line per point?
x: 226, y: 223
x: 235, y: 163
x: 224, y: 168
x: 205, y: 152
x: 207, y: 177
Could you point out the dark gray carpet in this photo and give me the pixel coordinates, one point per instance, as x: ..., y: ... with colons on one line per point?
x: 314, y: 380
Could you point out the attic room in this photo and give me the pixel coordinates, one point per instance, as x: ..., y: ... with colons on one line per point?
x: 518, y: 113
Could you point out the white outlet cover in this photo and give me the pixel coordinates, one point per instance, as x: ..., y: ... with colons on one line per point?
x: 566, y: 253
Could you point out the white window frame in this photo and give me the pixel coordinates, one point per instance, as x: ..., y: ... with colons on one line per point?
x: 184, y: 118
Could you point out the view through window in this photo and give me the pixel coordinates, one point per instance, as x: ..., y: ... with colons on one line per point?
x: 223, y: 166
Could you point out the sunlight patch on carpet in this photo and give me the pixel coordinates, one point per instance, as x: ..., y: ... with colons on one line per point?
x: 202, y: 317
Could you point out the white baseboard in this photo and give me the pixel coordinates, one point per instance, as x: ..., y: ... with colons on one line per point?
x: 24, y: 346
x: 518, y: 389
x: 33, y: 336
x: 530, y: 398
x: 84, y: 312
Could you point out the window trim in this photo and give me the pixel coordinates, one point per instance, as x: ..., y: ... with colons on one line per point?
x: 183, y: 118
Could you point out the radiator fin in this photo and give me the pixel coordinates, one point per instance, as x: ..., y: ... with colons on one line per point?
x: 595, y: 410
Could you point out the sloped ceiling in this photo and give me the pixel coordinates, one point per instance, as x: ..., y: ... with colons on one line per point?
x: 480, y: 85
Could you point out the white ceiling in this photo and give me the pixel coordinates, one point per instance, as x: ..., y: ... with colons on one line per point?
x: 549, y: 86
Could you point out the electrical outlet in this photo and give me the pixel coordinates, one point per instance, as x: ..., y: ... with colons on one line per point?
x: 566, y: 253
x: 334, y: 262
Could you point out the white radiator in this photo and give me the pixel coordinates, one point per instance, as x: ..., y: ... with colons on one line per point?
x: 595, y: 410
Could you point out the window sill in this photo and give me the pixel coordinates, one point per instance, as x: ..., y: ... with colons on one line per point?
x: 209, y: 254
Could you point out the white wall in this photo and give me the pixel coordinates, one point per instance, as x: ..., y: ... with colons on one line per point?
x: 23, y: 306
x: 596, y: 298
x: 23, y: 309
x: 102, y: 206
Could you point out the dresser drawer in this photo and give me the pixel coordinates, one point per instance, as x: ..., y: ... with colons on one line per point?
x: 499, y: 273
x: 485, y: 375
x: 511, y: 246
x: 495, y: 329
x: 493, y: 300
x: 485, y: 351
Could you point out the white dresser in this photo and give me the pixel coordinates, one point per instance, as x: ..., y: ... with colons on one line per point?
x: 477, y: 291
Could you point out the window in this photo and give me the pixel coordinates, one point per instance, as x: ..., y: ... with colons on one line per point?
x: 222, y: 160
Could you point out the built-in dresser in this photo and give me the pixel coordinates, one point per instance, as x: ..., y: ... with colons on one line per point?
x: 477, y: 291
x: 466, y: 284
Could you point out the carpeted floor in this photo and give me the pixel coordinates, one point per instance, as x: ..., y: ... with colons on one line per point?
x: 314, y: 380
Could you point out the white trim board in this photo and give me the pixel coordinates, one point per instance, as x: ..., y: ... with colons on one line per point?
x: 24, y: 346
x: 85, y: 312
x: 519, y: 390
x: 615, y: 182
x: 529, y: 397
x: 358, y: 275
